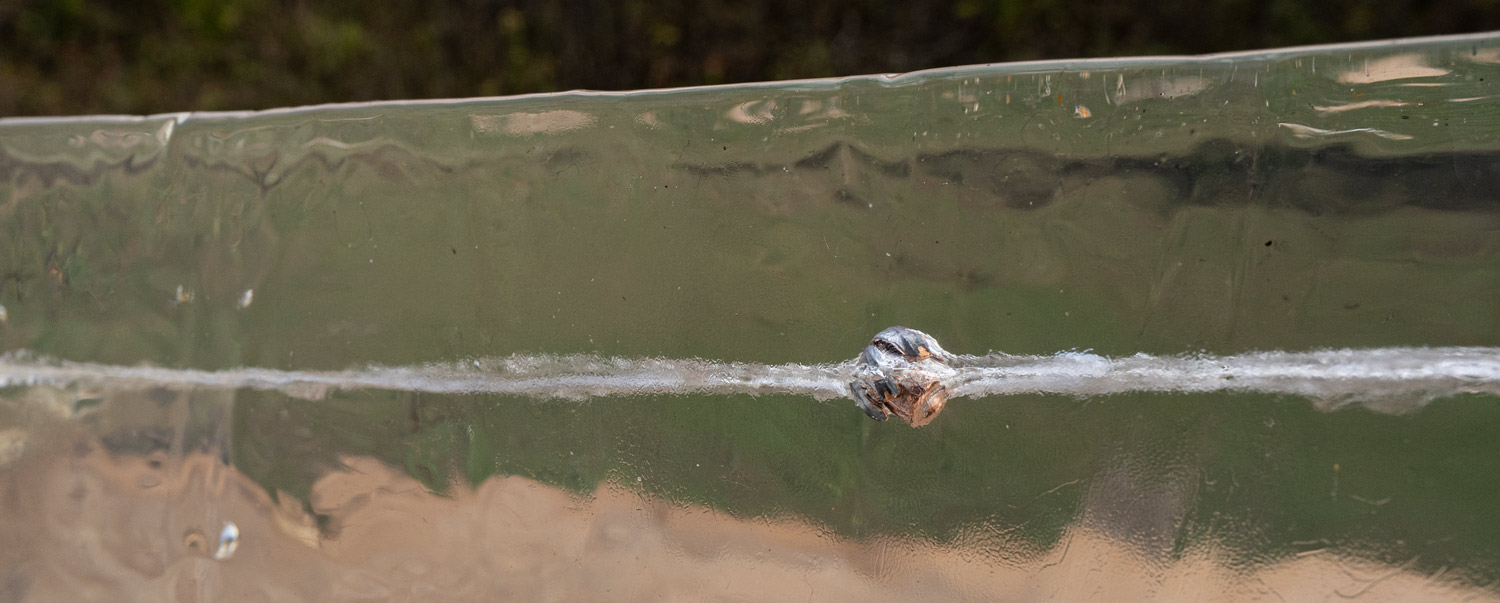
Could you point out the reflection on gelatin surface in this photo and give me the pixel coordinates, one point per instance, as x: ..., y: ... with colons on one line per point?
x: 1328, y: 198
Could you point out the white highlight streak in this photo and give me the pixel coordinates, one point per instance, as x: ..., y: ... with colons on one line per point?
x: 568, y: 377
x: 1386, y: 379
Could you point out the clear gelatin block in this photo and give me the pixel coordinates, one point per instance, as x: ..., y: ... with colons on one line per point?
x: 1220, y: 328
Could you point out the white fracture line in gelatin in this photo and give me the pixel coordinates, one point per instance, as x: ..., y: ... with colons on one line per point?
x: 1396, y: 377
x: 568, y: 377
x: 1385, y: 376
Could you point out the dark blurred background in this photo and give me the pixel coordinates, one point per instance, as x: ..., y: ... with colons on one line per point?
x: 60, y: 57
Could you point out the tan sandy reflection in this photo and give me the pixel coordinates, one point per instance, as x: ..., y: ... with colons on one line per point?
x: 1394, y: 67
x: 529, y: 124
x: 83, y: 525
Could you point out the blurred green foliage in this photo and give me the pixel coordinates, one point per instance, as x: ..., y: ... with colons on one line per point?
x: 60, y: 57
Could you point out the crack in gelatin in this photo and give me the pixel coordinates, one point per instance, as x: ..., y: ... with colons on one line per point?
x: 902, y: 372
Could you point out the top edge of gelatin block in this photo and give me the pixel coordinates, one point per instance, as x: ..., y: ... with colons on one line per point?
x: 1475, y: 44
